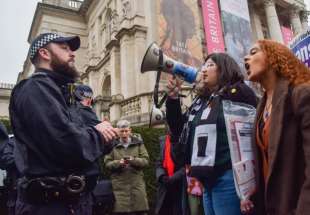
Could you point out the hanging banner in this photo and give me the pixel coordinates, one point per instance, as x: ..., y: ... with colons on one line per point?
x: 301, y: 47
x: 237, y: 28
x: 287, y: 34
x: 212, y: 26
x: 179, y: 32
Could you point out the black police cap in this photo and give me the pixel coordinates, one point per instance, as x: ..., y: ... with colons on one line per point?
x: 83, y: 91
x: 46, y: 38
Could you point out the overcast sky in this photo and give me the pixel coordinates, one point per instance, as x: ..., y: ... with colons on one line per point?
x: 15, y: 21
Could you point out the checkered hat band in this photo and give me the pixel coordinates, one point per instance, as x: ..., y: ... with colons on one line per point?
x: 42, y: 42
x: 87, y: 94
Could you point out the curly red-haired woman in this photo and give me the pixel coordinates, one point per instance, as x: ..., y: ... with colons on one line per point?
x: 282, y: 131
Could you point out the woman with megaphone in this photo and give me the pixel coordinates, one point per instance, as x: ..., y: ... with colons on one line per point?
x: 203, y: 134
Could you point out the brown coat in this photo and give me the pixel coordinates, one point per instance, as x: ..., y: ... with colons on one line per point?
x: 287, y: 190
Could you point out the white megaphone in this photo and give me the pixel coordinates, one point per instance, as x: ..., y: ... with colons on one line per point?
x: 155, y: 60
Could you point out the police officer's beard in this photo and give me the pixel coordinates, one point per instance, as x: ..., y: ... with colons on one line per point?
x: 63, y: 67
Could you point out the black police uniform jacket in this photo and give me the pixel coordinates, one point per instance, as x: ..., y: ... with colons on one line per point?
x: 7, y: 162
x: 86, y: 114
x: 4, y: 139
x: 49, y: 141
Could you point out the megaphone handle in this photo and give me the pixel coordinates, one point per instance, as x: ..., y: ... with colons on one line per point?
x: 150, y: 121
x: 163, y: 99
x: 155, y: 94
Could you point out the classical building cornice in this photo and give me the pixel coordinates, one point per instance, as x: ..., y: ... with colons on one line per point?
x: 130, y: 31
x: 97, y: 67
x: 111, y: 44
x: 48, y: 8
x: 292, y: 3
x: 85, y: 6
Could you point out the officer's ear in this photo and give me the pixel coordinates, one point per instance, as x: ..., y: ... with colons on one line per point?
x: 44, y: 54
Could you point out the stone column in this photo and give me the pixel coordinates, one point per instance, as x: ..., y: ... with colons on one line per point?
x: 295, y: 20
x: 144, y: 82
x: 304, y: 20
x: 273, y: 20
x: 115, y: 109
x: 255, y: 23
x: 128, y: 78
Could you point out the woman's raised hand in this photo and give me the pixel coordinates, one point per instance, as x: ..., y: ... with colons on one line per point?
x: 174, y: 87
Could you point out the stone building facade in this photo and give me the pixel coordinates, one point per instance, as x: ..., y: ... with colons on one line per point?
x: 5, y: 93
x: 114, y: 37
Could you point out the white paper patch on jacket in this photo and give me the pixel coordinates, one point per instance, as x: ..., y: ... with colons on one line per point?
x: 205, y: 113
x: 204, y: 147
x: 191, y: 117
x: 197, y: 107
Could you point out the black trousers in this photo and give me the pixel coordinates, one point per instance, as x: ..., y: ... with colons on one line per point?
x: 82, y: 207
x: 131, y: 213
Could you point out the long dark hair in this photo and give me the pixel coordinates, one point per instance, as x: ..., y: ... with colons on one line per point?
x: 228, y: 69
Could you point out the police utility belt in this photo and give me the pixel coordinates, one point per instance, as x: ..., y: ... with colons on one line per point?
x: 55, y: 189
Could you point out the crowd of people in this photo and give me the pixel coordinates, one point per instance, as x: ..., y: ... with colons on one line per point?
x: 53, y: 158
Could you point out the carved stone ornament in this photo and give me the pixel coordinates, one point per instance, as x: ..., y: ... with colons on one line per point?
x: 114, y: 20
x: 269, y: 3
x: 126, y: 8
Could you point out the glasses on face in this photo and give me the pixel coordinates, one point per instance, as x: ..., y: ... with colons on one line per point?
x: 207, y: 66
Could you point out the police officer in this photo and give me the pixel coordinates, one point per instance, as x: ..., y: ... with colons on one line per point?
x: 4, y: 139
x: 57, y: 156
x: 83, y: 95
x: 7, y: 163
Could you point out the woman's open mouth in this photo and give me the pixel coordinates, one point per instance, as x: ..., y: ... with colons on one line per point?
x: 247, y: 67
